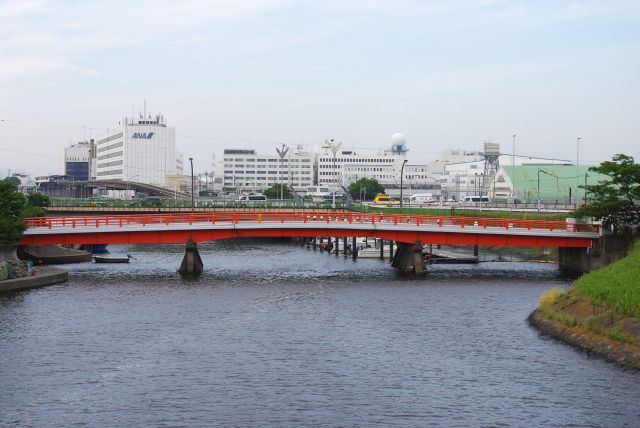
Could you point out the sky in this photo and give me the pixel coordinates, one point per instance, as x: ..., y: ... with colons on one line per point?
x: 257, y: 74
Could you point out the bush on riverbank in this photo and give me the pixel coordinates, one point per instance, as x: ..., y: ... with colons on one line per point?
x: 615, y: 286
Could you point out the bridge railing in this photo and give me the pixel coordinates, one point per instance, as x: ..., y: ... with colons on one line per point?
x: 315, y: 218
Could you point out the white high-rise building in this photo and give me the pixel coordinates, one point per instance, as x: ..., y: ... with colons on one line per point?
x: 139, y: 149
x: 246, y: 171
x: 350, y: 165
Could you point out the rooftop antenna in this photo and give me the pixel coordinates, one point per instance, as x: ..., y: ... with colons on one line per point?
x: 145, y: 110
x: 133, y: 113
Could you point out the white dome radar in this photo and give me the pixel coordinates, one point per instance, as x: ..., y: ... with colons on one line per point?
x: 398, y: 139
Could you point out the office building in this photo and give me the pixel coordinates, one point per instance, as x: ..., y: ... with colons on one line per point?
x: 141, y: 149
x: 77, y: 161
x: 346, y: 166
x: 245, y: 170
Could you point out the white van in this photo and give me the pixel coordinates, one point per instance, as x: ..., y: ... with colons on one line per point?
x: 247, y: 198
x: 475, y: 199
x: 421, y: 198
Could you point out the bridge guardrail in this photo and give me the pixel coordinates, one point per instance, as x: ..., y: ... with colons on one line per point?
x: 316, y: 217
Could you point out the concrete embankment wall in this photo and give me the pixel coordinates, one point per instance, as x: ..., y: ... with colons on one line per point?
x: 609, y: 249
x: 45, y: 276
x: 624, y: 354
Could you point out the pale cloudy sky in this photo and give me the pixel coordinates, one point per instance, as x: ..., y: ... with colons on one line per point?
x: 231, y: 73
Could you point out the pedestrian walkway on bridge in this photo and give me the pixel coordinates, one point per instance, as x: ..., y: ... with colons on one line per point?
x: 198, y: 227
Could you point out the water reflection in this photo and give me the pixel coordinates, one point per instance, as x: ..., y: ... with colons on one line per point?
x: 274, y: 334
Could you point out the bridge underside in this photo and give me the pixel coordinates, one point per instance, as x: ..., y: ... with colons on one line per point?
x: 182, y: 236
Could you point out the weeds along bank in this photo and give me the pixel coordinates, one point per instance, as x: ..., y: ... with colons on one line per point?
x: 599, y: 313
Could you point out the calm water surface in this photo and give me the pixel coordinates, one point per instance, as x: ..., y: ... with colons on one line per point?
x: 277, y: 335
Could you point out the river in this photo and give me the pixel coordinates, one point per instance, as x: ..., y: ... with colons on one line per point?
x: 275, y: 335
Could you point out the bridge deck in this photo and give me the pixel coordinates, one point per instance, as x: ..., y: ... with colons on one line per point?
x: 177, y: 228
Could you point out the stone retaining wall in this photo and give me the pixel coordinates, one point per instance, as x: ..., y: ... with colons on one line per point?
x: 624, y: 354
x: 45, y: 276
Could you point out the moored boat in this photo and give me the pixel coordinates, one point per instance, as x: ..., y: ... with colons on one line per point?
x: 99, y: 259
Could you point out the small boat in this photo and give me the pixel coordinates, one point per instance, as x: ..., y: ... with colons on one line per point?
x: 99, y: 259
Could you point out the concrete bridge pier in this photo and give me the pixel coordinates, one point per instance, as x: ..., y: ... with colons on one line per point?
x: 408, y: 259
x: 354, y: 249
x: 191, y: 262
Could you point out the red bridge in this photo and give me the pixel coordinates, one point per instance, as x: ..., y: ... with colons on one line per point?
x: 198, y: 227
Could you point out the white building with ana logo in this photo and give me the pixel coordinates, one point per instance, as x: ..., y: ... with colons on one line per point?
x: 139, y: 149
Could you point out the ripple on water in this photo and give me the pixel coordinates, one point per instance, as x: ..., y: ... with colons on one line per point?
x: 274, y: 334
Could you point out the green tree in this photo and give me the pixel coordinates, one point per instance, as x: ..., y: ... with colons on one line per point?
x: 616, y: 201
x: 278, y: 191
x: 36, y: 202
x: 13, y: 180
x: 366, y: 188
x: 12, y: 207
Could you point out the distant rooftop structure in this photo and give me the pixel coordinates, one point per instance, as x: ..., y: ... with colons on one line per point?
x: 558, y: 183
x: 399, y: 144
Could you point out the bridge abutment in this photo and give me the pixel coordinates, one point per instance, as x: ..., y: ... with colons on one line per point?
x: 191, y: 262
x: 606, y: 250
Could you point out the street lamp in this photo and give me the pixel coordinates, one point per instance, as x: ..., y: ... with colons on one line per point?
x: 128, y: 180
x: 513, y: 167
x: 282, y: 153
x: 191, y: 161
x: 539, y: 171
x: 329, y: 144
x: 401, y: 182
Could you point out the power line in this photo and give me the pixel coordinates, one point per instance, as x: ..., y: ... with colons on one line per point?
x: 29, y: 153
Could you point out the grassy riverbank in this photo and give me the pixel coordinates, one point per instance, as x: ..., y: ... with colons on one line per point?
x: 616, y: 286
x: 600, y: 312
